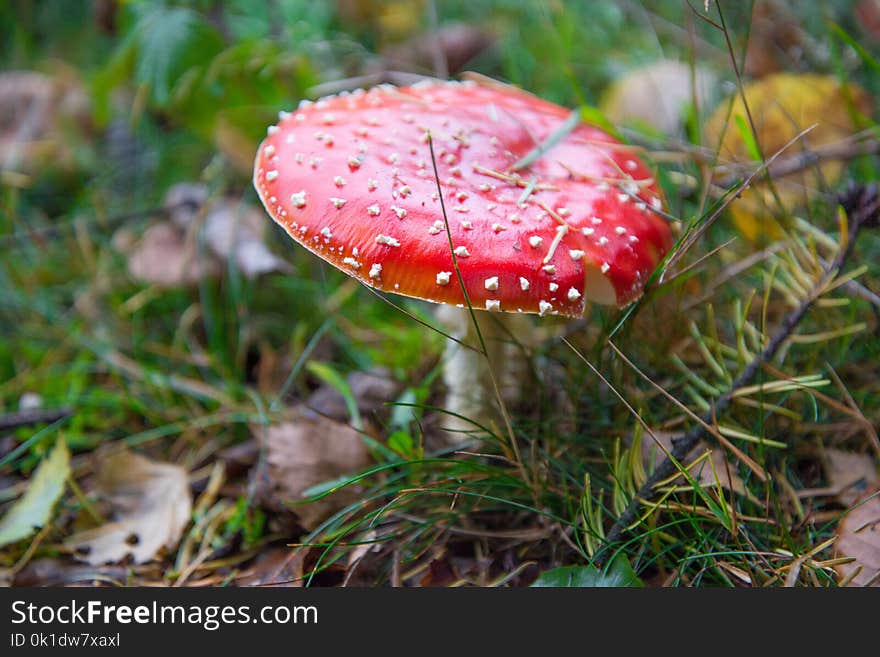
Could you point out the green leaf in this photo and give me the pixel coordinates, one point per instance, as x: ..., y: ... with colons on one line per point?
x: 748, y: 138
x: 34, y: 508
x: 170, y: 40
x: 618, y: 574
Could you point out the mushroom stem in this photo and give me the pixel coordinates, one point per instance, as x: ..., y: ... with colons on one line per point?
x: 468, y: 373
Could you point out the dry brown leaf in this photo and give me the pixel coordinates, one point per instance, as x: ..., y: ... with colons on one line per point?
x: 777, y: 40
x: 277, y: 567
x: 656, y: 95
x: 781, y: 106
x: 233, y: 230
x: 371, y: 390
x: 164, y: 258
x: 33, y: 110
x: 304, y: 452
x: 456, y: 43
x: 717, y: 470
x: 153, y: 503
x: 858, y: 536
x: 849, y: 474
x: 169, y: 253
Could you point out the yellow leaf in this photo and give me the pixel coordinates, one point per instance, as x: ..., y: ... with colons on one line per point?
x: 781, y: 106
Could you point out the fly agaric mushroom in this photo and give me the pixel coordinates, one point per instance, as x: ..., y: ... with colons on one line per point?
x: 351, y: 178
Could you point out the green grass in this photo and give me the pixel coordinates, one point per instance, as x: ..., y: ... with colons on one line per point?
x: 174, y: 372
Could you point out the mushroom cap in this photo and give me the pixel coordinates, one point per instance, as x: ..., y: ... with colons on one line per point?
x: 350, y: 177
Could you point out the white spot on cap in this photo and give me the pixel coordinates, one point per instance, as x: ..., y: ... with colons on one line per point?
x: 271, y: 175
x: 461, y: 251
x: 354, y: 162
x: 524, y: 283
x: 461, y: 208
x: 269, y: 150
x: 351, y: 262
x: 337, y: 202
x: 588, y: 231
x: 596, y: 221
x: 535, y: 241
x: 272, y: 129
x: 339, y: 181
x: 436, y: 228
x: 550, y: 269
x: 374, y: 210
x: 656, y: 203
x: 400, y: 212
x: 605, y: 267
x: 630, y: 164
x: 603, y: 241
x: 498, y: 228
x: 405, y: 191
x: 544, y: 307
x: 576, y: 254
x: 467, y: 225
x: 325, y: 231
x: 491, y: 283
x: 493, y: 304
x: 620, y: 230
x: 298, y: 199
x: 554, y: 287
x: 563, y: 212
x: 573, y: 294
x: 289, y: 139
x: 443, y: 277
x: 388, y: 241
x: 283, y: 116
x: 372, y: 185
x: 375, y: 270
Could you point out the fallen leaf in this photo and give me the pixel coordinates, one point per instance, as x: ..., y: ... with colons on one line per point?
x: 781, y: 106
x: 717, y: 470
x: 34, y: 108
x: 277, y: 567
x: 777, y: 41
x: 303, y: 453
x: 456, y: 43
x: 153, y: 505
x: 371, y: 392
x: 34, y: 508
x: 231, y: 229
x: 657, y: 95
x: 850, y: 474
x: 235, y: 231
x: 858, y: 536
x: 164, y: 258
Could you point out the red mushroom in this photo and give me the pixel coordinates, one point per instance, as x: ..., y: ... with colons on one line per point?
x: 350, y: 177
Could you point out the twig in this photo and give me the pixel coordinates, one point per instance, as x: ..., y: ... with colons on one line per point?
x: 864, y: 212
x: 33, y: 416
